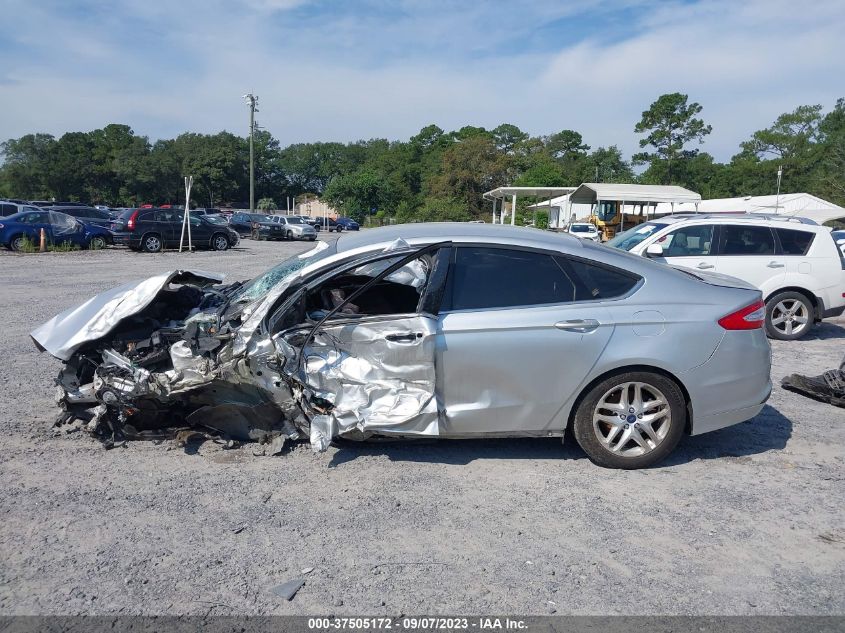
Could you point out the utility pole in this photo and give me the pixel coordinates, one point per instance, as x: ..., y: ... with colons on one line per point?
x: 252, y: 101
x: 777, y: 196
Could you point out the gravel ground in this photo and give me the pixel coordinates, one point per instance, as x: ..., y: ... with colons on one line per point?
x: 747, y: 520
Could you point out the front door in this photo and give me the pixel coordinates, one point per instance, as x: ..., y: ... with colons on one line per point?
x: 365, y: 352
x: 692, y: 246
x: 515, y: 344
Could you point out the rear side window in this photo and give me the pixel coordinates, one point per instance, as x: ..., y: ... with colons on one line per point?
x: 483, y: 278
x: 740, y: 239
x: 595, y: 282
x: 794, y: 242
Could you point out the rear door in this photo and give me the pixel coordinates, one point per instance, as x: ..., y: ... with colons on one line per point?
x: 516, y: 340
x: 168, y: 222
x: 691, y: 246
x: 748, y: 252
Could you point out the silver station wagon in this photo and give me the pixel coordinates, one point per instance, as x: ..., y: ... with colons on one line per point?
x: 435, y: 330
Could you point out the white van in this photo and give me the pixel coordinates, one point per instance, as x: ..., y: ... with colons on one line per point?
x: 795, y: 262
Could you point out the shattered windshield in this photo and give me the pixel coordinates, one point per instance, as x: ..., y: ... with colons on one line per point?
x: 62, y: 223
x: 633, y: 236
x: 262, y: 284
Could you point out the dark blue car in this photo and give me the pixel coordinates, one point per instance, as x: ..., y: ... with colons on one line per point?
x: 59, y: 228
x: 346, y: 224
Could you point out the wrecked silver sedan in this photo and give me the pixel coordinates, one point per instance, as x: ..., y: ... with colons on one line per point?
x: 441, y: 330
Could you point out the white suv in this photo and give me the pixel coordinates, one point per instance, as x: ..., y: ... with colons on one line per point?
x: 795, y: 262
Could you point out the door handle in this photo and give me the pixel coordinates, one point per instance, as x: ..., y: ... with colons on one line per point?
x: 404, y: 338
x: 583, y: 326
x: 703, y: 266
x: 775, y: 265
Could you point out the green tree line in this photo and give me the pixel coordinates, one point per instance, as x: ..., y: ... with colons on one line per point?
x: 434, y: 175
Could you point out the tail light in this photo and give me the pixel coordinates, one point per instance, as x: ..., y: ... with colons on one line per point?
x: 751, y: 317
x: 130, y: 223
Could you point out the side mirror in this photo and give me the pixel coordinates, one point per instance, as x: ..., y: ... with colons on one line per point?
x: 654, y: 250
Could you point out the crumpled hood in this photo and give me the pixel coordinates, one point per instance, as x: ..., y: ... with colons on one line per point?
x: 67, y: 332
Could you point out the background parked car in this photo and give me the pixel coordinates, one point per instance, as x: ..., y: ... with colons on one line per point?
x: 585, y: 230
x: 795, y: 262
x: 7, y: 208
x: 91, y: 215
x: 257, y: 225
x: 54, y: 203
x: 152, y: 230
x: 295, y: 227
x: 347, y: 224
x: 321, y: 224
x: 59, y: 228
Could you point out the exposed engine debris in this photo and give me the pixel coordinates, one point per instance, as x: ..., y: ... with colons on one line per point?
x: 271, y: 361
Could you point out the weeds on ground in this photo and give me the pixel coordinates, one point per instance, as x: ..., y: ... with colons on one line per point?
x: 28, y: 246
x: 31, y: 246
x: 64, y: 247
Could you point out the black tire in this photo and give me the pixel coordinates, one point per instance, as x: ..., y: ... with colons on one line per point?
x: 289, y: 236
x: 17, y: 242
x: 789, y: 316
x: 338, y: 229
x: 151, y: 243
x: 587, y: 433
x: 219, y: 242
x: 98, y: 242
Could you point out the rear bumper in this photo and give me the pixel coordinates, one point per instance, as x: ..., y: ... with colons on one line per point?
x: 733, y: 384
x: 831, y: 303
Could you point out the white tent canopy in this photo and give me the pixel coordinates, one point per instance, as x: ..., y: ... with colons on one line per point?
x: 503, y: 193
x: 795, y: 204
x: 592, y: 192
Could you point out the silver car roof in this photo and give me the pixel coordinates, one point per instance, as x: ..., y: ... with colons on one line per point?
x: 459, y: 232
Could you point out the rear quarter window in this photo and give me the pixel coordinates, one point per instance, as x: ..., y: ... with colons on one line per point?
x: 595, y: 281
x: 794, y: 242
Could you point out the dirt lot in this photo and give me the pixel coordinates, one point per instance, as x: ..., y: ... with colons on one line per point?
x: 747, y: 520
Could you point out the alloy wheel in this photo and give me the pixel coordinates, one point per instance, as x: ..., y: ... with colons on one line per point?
x: 632, y: 419
x: 221, y: 243
x: 152, y: 244
x: 790, y: 317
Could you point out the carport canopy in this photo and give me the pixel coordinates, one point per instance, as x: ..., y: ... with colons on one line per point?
x: 593, y: 192
x: 503, y: 193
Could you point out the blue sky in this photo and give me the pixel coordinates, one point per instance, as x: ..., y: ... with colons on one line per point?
x: 377, y: 68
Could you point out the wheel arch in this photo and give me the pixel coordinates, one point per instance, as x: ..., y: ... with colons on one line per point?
x: 814, y: 300
x: 624, y: 370
x: 146, y: 234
